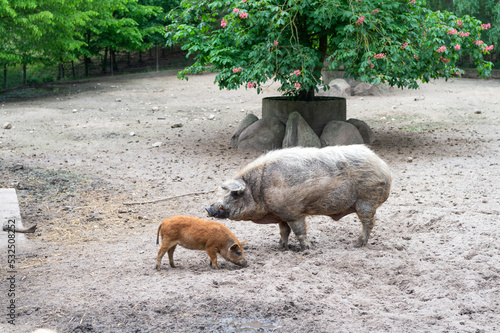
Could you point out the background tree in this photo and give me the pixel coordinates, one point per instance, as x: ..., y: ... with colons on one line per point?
x: 484, y: 10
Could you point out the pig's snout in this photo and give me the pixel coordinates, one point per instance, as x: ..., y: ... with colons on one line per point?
x: 218, y: 211
x: 210, y: 211
x: 242, y: 262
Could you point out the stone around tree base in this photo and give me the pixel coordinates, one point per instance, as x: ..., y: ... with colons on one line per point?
x: 340, y: 133
x: 299, y: 134
x: 265, y: 134
x: 247, y: 121
x: 365, y: 131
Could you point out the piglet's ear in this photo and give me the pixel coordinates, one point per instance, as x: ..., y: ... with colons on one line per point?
x: 236, y: 187
x: 234, y: 247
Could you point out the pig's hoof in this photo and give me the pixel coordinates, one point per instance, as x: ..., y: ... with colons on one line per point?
x: 361, y: 242
x: 284, y: 246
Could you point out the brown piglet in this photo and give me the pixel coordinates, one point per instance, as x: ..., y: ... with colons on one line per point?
x: 198, y: 234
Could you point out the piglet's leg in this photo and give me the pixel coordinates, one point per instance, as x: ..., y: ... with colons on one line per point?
x: 300, y: 230
x: 171, y: 256
x: 212, y: 253
x: 285, y: 233
x: 161, y: 253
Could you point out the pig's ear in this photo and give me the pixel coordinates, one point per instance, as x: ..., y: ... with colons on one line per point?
x: 234, y: 186
x: 244, y: 243
x: 234, y: 247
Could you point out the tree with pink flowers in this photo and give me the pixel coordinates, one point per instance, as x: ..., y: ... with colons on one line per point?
x: 250, y: 42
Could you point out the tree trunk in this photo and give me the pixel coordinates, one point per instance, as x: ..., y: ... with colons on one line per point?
x: 86, y: 62
x: 60, y: 76
x: 73, y: 69
x: 111, y: 61
x: 306, y: 95
x: 5, y: 77
x: 140, y: 57
x: 157, y: 62
x: 105, y: 61
x: 24, y: 74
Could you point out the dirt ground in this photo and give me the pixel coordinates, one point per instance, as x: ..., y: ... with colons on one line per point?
x: 77, y: 152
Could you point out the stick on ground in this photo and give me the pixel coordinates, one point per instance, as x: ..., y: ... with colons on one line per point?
x: 165, y: 199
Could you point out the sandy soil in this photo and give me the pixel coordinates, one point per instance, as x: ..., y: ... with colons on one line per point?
x: 432, y: 263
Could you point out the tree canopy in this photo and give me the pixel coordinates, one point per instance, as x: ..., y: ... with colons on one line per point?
x: 251, y: 42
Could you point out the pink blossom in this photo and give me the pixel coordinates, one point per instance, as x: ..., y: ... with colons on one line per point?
x: 296, y: 72
x: 375, y: 11
x: 243, y: 15
x: 489, y: 48
x: 457, y: 47
x: 441, y: 49
x: 236, y: 10
x: 297, y: 85
x: 276, y: 43
x: 415, y: 56
x: 166, y: 27
x: 412, y: 1
x: 360, y: 20
x: 237, y: 70
x: 459, y: 23
x: 243, y: 0
x: 463, y: 34
x: 485, y: 26
x: 380, y: 55
x: 251, y: 85
x: 452, y: 32
x: 223, y: 23
x: 444, y: 60
x: 404, y: 45
x: 458, y: 73
x: 478, y: 42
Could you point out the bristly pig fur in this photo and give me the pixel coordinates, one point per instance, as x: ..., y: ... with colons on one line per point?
x: 284, y: 186
x: 198, y: 234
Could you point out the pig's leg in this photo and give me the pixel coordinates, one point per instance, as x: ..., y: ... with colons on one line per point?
x: 285, y: 233
x: 300, y: 230
x: 161, y: 253
x: 366, y: 214
x: 212, y: 253
x: 171, y: 256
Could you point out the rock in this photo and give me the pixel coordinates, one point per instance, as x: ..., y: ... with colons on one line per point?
x: 299, y: 133
x: 338, y: 133
x: 264, y: 134
x: 366, y: 89
x: 155, y: 108
x: 338, y: 88
x: 157, y: 144
x: 132, y: 133
x: 118, y: 100
x: 211, y: 117
x: 365, y: 131
x: 176, y: 125
x: 7, y: 126
x: 247, y: 121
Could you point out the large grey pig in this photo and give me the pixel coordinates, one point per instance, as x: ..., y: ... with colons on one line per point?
x: 284, y: 186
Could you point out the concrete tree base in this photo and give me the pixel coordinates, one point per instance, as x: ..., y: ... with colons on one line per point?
x: 316, y: 113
